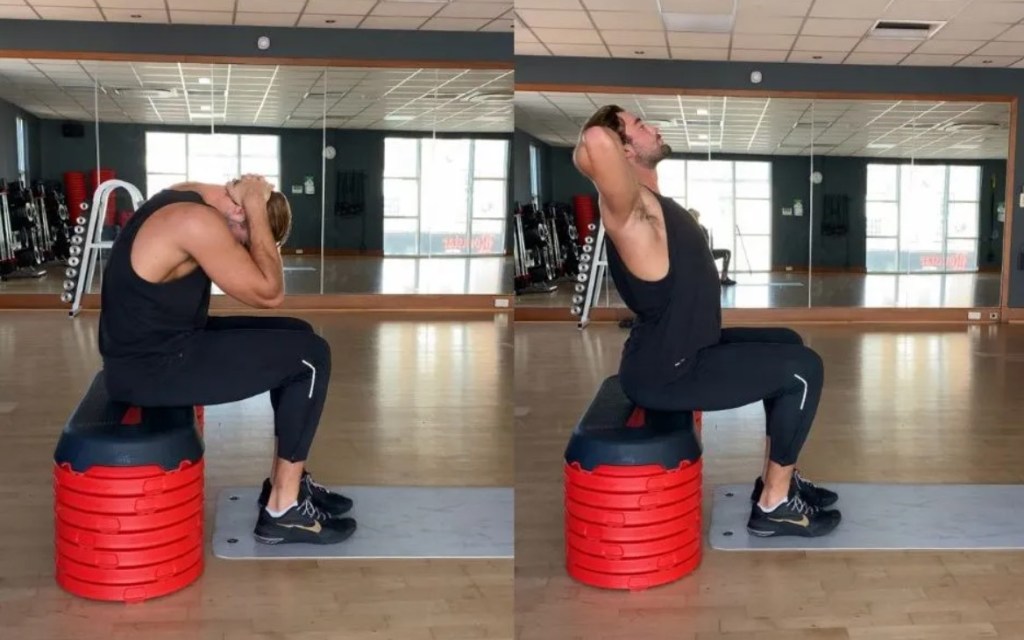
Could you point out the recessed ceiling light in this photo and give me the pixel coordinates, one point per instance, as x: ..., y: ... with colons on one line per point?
x: 702, y: 112
x: 204, y: 81
x: 708, y: 23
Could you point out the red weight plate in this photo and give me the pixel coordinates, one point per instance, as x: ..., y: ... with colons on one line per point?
x: 131, y: 575
x: 616, y: 501
x: 629, y: 517
x: 692, y: 468
x: 625, y: 550
x: 87, y: 539
x: 649, y: 564
x: 132, y: 593
x: 631, y: 484
x: 133, y: 505
x: 110, y: 559
x: 635, y: 582
x: 129, y: 523
x: 113, y: 481
x: 636, y: 534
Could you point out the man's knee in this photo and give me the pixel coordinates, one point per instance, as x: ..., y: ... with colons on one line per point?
x: 811, y: 366
x: 320, y: 354
x: 298, y: 324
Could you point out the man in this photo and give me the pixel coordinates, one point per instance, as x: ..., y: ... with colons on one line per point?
x: 677, y: 356
x: 160, y: 348
x: 724, y: 254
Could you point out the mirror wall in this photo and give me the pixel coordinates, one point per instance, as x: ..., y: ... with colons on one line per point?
x: 815, y: 203
x: 398, y: 178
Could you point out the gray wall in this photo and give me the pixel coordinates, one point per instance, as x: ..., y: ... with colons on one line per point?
x: 841, y: 176
x: 710, y: 77
x: 9, y: 142
x: 123, y: 150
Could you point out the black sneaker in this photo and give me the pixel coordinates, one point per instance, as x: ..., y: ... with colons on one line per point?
x: 303, y: 523
x: 792, y: 518
x: 334, y: 504
x: 811, y: 493
x: 728, y: 282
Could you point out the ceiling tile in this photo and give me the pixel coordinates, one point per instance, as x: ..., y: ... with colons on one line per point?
x: 648, y: 6
x: 201, y: 17
x: 969, y: 31
x: 644, y: 52
x: 127, y: 4
x: 627, y: 20
x: 70, y: 13
x: 65, y: 3
x: 267, y: 19
x: 931, y: 10
x: 19, y: 13
x: 129, y: 15
x: 988, y: 61
x: 582, y: 50
x: 874, y: 58
x: 747, y: 55
x: 345, y: 8
x: 847, y: 9
x: 824, y: 57
x: 634, y: 38
x: 568, y: 5
x: 407, y: 9
x: 697, y: 6
x: 1001, y: 49
x: 689, y: 39
x: 689, y: 53
x: 501, y: 24
x: 329, y: 21
x: 265, y: 6
x: 884, y: 45
x: 1014, y: 34
x: 836, y: 27
x: 949, y: 46
x: 781, y: 26
x: 487, y: 10
x: 784, y: 8
x: 555, y: 19
x: 454, y: 24
x: 1005, y: 12
x: 390, y: 22
x: 819, y: 43
x: 568, y: 36
x: 763, y: 42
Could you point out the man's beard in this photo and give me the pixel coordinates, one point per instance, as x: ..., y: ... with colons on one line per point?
x: 650, y: 161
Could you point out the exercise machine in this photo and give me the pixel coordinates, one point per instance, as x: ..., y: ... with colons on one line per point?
x: 87, y: 241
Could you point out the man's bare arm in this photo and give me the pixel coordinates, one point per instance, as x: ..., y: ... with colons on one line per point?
x: 601, y: 157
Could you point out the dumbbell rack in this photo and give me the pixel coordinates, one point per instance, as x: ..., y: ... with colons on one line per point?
x: 594, y: 276
x: 92, y: 243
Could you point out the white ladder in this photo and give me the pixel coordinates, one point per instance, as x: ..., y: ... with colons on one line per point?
x: 594, y: 276
x: 92, y: 243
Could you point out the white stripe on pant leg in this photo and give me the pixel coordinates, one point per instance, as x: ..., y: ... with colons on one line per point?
x: 804, y: 399
x: 313, y: 381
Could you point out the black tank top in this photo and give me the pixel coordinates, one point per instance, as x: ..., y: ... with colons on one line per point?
x: 140, y: 320
x: 678, y: 315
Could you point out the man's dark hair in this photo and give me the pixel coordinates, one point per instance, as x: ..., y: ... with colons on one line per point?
x: 608, y: 116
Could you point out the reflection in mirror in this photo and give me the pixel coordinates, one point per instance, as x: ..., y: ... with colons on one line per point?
x: 351, y: 149
x: 911, y: 203
x: 740, y: 163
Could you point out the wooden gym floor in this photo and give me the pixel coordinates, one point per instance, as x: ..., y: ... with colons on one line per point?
x: 901, y: 404
x: 414, y: 400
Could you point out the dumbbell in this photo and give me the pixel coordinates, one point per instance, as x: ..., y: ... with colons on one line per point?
x: 81, y: 220
x: 67, y: 297
x: 75, y: 250
x: 74, y: 261
x: 581, y: 288
x: 79, y: 230
x: 585, y: 257
x: 69, y: 285
x: 577, y: 311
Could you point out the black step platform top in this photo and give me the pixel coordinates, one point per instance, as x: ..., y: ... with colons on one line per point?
x: 602, y: 438
x: 105, y: 433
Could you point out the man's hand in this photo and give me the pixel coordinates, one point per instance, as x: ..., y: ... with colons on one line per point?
x: 250, y: 188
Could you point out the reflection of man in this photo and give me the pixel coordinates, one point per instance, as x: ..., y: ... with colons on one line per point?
x: 724, y: 254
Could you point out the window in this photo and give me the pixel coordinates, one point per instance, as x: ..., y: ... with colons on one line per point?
x: 734, y: 200
x: 922, y: 218
x: 535, y: 174
x: 22, y: 136
x: 206, y: 157
x: 445, y: 196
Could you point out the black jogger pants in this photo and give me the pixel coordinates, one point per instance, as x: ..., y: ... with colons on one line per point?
x: 238, y: 357
x: 749, y: 365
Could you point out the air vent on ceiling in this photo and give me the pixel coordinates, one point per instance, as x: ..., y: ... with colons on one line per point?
x: 145, y: 93
x: 490, y: 97
x: 905, y: 29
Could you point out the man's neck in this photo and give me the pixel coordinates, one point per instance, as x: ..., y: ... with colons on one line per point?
x: 204, y: 190
x: 648, y: 178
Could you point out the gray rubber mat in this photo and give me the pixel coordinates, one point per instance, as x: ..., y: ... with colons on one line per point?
x: 392, y: 522
x: 888, y: 516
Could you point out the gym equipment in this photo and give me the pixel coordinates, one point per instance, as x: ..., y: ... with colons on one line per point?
x: 91, y: 242
x: 128, y: 500
x: 393, y: 522
x: 545, y: 246
x: 594, y: 244
x: 633, y: 482
x: 23, y: 247
x: 905, y: 517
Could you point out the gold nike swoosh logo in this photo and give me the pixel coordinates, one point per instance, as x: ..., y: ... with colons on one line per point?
x: 802, y: 522
x: 316, y: 528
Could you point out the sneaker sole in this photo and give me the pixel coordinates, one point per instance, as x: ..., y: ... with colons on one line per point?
x: 269, y: 540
